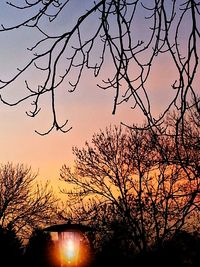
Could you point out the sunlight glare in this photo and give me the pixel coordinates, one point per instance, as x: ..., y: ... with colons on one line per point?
x: 69, y: 250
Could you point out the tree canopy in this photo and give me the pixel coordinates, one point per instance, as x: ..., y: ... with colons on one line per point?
x: 24, y: 203
x: 137, y: 180
x: 11, y: 249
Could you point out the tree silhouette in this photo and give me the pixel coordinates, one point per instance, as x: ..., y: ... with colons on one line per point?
x: 39, y: 250
x: 137, y: 178
x: 114, y: 248
x: 168, y: 31
x: 24, y: 204
x: 10, y: 247
x: 180, y: 250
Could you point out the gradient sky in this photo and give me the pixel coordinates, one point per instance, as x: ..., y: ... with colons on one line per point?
x: 88, y: 108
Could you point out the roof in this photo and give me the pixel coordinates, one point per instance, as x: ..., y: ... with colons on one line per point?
x: 67, y: 227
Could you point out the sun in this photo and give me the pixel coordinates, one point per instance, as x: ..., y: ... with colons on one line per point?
x: 69, y: 248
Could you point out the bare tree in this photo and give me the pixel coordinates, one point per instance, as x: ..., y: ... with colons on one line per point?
x: 24, y: 204
x: 134, y: 177
x: 169, y: 28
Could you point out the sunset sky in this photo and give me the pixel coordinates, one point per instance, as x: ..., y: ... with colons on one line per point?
x: 88, y: 109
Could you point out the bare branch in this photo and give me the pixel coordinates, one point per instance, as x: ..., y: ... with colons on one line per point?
x: 112, y: 41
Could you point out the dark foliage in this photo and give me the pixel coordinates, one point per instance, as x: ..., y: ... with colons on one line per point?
x: 10, y: 248
x: 114, y: 252
x: 181, y: 250
x: 39, y: 250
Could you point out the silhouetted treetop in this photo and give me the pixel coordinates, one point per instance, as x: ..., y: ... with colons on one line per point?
x: 139, y: 179
x: 24, y: 203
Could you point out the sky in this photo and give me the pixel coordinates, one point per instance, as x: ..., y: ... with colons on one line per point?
x: 88, y: 109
